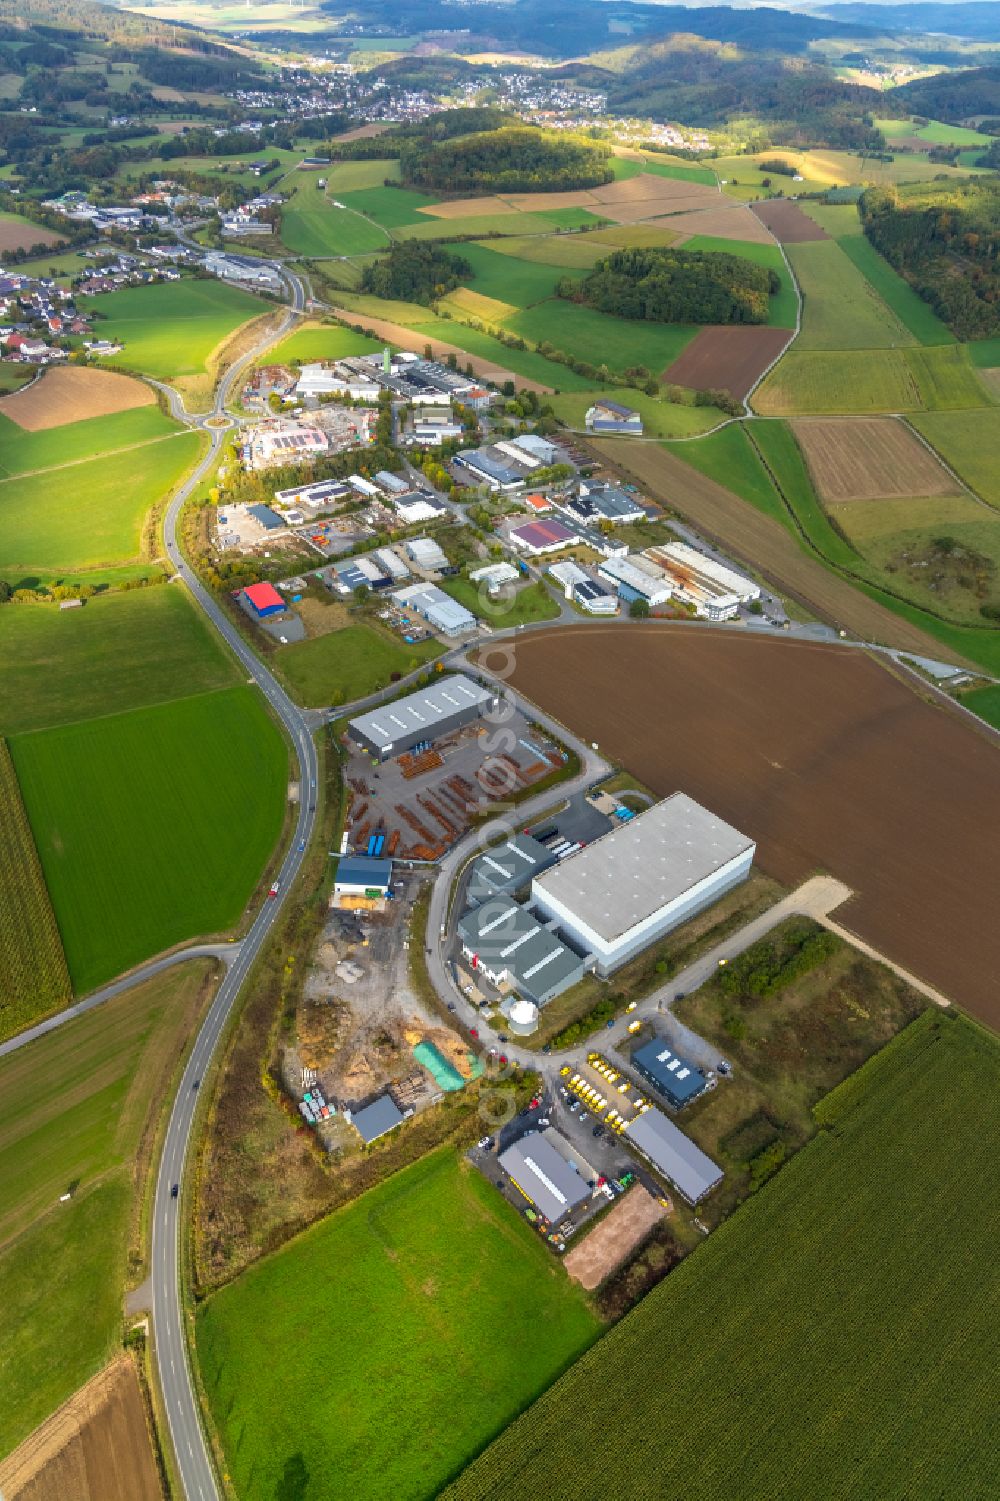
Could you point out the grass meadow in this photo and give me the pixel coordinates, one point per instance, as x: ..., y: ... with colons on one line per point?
x: 328, y: 341
x: 171, y: 328
x: 74, y: 1107
x: 970, y: 443
x: 121, y: 651
x: 524, y: 362
x: 508, y: 278
x: 858, y: 1294
x: 311, y: 225
x: 840, y: 308
x: 661, y: 419
x: 524, y: 606
x: 729, y: 458
x: 986, y: 703
x: 600, y: 338
x: 882, y: 380
x: 911, y: 310
x: 153, y: 826
x: 88, y: 514
x: 404, y: 1332
x: 389, y: 207
x: 22, y: 451
x: 343, y: 665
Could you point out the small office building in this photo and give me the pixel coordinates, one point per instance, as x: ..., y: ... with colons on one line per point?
x: 669, y: 1075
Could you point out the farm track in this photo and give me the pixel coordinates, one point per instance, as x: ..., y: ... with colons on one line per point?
x: 764, y: 544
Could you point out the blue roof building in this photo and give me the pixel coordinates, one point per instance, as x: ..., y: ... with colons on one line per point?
x: 678, y: 1082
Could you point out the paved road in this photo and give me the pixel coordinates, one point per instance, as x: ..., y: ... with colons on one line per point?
x: 194, y: 1465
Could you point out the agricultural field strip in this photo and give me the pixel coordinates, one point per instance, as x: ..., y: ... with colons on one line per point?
x: 90, y: 458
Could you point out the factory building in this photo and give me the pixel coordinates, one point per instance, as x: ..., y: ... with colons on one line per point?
x: 678, y: 1082
x: 673, y: 1154
x: 631, y: 581
x: 626, y: 890
x: 537, y: 537
x: 427, y: 715
x: 488, y: 467
x: 360, y: 875
x: 441, y: 612
x: 377, y: 1119
x: 715, y: 592
x: 512, y: 949
x: 507, y: 867
x: 543, y: 1176
x: 611, y: 417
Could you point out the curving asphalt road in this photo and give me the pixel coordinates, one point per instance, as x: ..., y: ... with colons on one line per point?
x: 193, y: 1461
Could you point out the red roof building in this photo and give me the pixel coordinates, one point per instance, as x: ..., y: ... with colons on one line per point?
x: 541, y: 536
x: 263, y: 599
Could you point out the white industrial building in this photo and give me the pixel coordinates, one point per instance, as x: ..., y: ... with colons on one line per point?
x: 494, y: 576
x: 414, y: 507
x: 320, y: 380
x: 715, y: 590
x: 577, y: 585
x: 424, y: 716
x: 626, y: 890
x: 631, y: 581
x: 245, y: 269
x: 441, y: 612
x: 425, y: 554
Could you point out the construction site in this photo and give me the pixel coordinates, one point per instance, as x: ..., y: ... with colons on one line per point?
x: 422, y: 801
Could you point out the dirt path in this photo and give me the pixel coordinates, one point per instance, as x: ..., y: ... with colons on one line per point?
x: 762, y: 543
x: 95, y: 1448
x: 407, y: 338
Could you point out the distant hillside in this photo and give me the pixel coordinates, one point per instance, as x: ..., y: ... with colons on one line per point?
x: 978, y: 21
x: 953, y: 96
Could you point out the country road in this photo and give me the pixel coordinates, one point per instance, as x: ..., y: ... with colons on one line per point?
x: 195, y: 1470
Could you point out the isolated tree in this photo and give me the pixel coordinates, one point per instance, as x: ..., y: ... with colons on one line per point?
x: 639, y: 609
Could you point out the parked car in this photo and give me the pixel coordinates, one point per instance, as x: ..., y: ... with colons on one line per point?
x: 544, y: 1121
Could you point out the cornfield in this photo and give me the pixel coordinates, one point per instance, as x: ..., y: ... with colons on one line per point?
x: 33, y: 974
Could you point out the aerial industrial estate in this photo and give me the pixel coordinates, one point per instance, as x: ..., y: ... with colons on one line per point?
x: 499, y: 713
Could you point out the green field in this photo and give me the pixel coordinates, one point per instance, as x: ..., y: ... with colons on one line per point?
x: 783, y: 305
x: 730, y: 459
x: 171, y: 328
x: 523, y: 362
x: 330, y: 342
x: 477, y: 226
x: 911, y: 310
x: 850, y: 1302
x: 600, y: 338
x: 389, y: 207
x: 661, y: 419
x: 122, y: 651
x: 344, y: 665
x: 985, y: 353
x: 840, y: 309
x: 22, y: 451
x: 404, y: 1331
x: 521, y: 282
x: 936, y: 131
x: 568, y: 252
x: 88, y: 514
x: 970, y: 443
x: 153, y: 826
x: 884, y: 380
x: 310, y: 225
x: 73, y: 1107
x: 348, y: 177
x: 986, y: 703
x: 523, y: 606
x: 12, y: 378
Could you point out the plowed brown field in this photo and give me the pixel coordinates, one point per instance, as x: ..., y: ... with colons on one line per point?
x: 95, y: 1448
x: 460, y: 208
x: 663, y: 209
x: 726, y: 223
x: 727, y: 359
x: 765, y: 545
x: 71, y: 394
x: 648, y: 185
x: 819, y: 753
x: 22, y: 235
x: 869, y: 458
x: 787, y: 222
x: 610, y: 1242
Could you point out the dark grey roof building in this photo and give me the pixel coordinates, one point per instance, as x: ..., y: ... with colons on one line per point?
x: 670, y: 1076
x: 507, y: 867
x: 376, y: 1119
x: 427, y: 715
x: 675, y: 1155
x: 544, y: 1177
x: 513, y: 950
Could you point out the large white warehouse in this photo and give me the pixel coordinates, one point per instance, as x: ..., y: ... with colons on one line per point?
x: 628, y: 888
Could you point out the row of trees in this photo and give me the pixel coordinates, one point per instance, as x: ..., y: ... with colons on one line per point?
x: 661, y: 285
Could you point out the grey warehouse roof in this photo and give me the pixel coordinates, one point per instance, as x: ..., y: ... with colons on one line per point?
x: 377, y: 1118
x: 506, y: 936
x: 691, y: 1172
x: 538, y: 1170
x: 508, y: 866
x: 363, y: 870
x: 421, y: 711
x: 641, y: 866
x: 677, y: 1080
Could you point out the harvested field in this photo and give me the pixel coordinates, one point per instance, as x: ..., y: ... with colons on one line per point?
x: 72, y: 394
x: 665, y: 205
x: 95, y: 1448
x: 788, y: 223
x: 764, y: 544
x: 869, y: 458
x: 363, y: 132
x: 477, y: 305
x: 636, y: 234
x: 407, y: 338
x: 728, y: 222
x: 647, y: 186
x: 21, y: 234
x: 541, y: 202
x: 614, y: 1239
x: 462, y: 208
x: 838, y: 765
x: 727, y: 359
